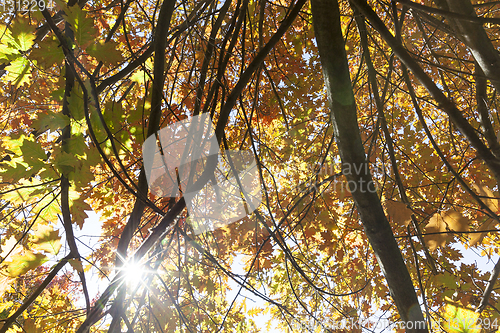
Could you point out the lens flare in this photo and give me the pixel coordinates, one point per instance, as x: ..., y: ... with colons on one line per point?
x: 133, y: 273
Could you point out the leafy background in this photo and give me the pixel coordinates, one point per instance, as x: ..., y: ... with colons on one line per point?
x: 75, y: 112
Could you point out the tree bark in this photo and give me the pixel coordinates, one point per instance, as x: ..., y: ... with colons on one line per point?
x: 328, y: 32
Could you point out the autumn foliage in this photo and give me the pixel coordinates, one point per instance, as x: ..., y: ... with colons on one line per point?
x: 84, y: 84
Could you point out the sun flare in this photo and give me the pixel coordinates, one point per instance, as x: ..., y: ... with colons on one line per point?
x: 133, y: 273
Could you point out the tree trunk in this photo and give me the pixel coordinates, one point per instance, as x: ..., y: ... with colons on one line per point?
x: 328, y: 32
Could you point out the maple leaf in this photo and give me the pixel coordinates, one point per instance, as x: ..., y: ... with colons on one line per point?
x: 32, y: 151
x: 475, y: 238
x: 76, y: 264
x: 66, y: 162
x: 488, y: 196
x: 51, y: 211
x: 82, y: 26
x: 50, y: 121
x: 442, y: 222
x: 8, y: 52
x: 5, y: 285
x: 22, y: 35
x: 447, y: 280
x: 460, y: 319
x: 48, y: 53
x: 18, y: 71
x: 398, y: 212
x: 46, y: 239
x: 78, y: 213
x: 76, y: 107
x: 106, y: 52
x: 21, y: 263
x: 280, y: 110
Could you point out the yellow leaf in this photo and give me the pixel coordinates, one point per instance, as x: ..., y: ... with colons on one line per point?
x: 9, y: 246
x: 105, y: 52
x: 254, y: 311
x: 477, y: 237
x: 442, y: 222
x: 46, y: 239
x: 18, y: 72
x: 460, y: 319
x: 22, y: 263
x: 5, y: 284
x: 487, y: 197
x: 23, y: 35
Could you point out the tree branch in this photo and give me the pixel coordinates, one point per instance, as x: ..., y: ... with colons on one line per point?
x: 489, y: 287
x: 447, y: 13
x: 444, y: 103
x: 9, y: 321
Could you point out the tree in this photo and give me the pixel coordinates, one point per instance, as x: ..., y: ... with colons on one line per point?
x: 376, y: 176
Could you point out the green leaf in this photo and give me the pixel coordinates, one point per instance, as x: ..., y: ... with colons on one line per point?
x: 32, y: 151
x: 82, y: 176
x: 76, y: 264
x: 20, y: 194
x: 18, y: 71
x: 66, y: 163
x: 78, y: 208
x: 51, y: 210
x: 14, y: 143
x: 76, y: 145
x: 82, y: 26
x: 13, y: 174
x: 7, y: 53
x: 23, y: 35
x: 21, y: 264
x: 99, y: 131
x: 66, y: 159
x: 48, y: 174
x: 447, y: 279
x: 105, y: 52
x: 48, y: 53
x: 76, y: 108
x: 50, y: 121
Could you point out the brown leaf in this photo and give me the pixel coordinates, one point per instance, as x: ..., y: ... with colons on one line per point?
x: 398, y: 212
x: 76, y: 264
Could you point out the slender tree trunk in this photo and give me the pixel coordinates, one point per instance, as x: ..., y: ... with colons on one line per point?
x: 328, y: 32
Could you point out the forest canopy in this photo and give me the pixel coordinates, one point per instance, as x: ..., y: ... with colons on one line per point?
x: 371, y: 129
